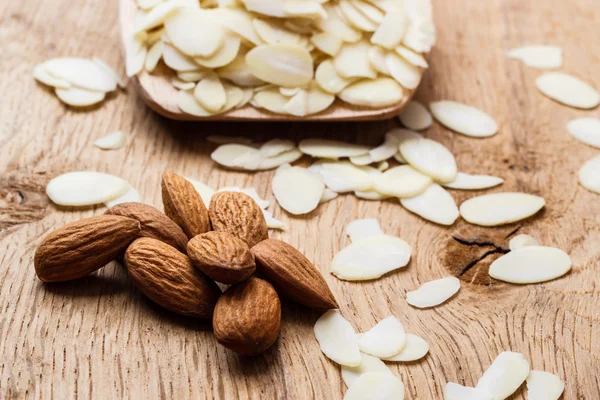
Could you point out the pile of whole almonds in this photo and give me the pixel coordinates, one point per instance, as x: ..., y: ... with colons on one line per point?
x: 176, y: 258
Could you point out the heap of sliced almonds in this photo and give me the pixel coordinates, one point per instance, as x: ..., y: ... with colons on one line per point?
x: 291, y: 57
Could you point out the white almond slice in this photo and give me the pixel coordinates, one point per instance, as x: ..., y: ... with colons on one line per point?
x: 219, y: 139
x: 153, y: 56
x: 205, y: 191
x: 248, y: 94
x: 370, y: 195
x: 464, y: 119
x: 474, y: 182
x: 286, y: 157
x: 352, y: 61
x: 113, y: 141
x: 281, y: 64
x: 589, y: 175
x: 188, y: 104
x: 402, y: 71
x: 376, y: 385
x: 328, y: 195
x: 272, y: 100
x: 506, y: 374
x: 402, y: 181
x: 234, y: 96
x: 383, y: 166
x: 390, y: 32
x: 130, y: 196
x: 433, y: 293
x: 289, y: 92
x: 363, y: 228
x: 454, y: 391
x: 337, y: 339
x: 192, y: 76
x: 365, y: 159
x: 77, y: 97
x: 367, y: 364
x: 275, y: 33
x: 415, y: 116
x: 544, y: 57
x: 420, y: 35
x: 85, y: 188
x: 156, y: 16
x: 303, y: 26
x: 343, y: 177
x: 377, y: 59
x: 229, y: 155
x: 210, y: 93
x: 239, y: 21
x: 542, y: 385
x: 435, y: 205
x: 414, y: 349
x: 531, y: 264
x: 385, y: 339
x: 262, y: 203
x: 298, y: 104
x: 568, y: 90
x: 303, y: 8
x: 238, y: 72
x: 371, y: 12
x: 324, y: 148
x: 355, y: 17
x: 400, y: 158
x: 297, y: 190
x: 81, y: 72
x: 586, y: 130
x: 370, y: 258
x: 225, y: 55
x: 328, y: 78
x: 42, y: 75
x: 336, y: 26
x: 272, y: 223
x: 275, y: 147
x: 412, y: 57
x: 376, y: 93
x: 134, y: 63
x: 327, y: 43
x: 194, y: 31
x: 318, y: 99
x: 265, y: 7
x: 521, y: 241
x: 178, y: 61
x: 431, y: 158
x: 500, y: 208
x: 181, y: 85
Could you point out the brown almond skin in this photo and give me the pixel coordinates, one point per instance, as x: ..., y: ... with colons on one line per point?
x: 154, y: 223
x: 169, y: 278
x: 80, y: 248
x: 184, y: 205
x: 292, y: 274
x: 221, y: 256
x: 239, y: 215
x: 248, y: 317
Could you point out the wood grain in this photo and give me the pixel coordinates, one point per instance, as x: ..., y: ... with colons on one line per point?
x: 99, y: 337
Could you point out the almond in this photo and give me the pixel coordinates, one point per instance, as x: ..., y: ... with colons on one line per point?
x: 184, y: 205
x: 221, y: 256
x: 154, y: 223
x: 248, y: 317
x: 169, y: 278
x: 293, y: 274
x: 84, y: 246
x: 239, y: 215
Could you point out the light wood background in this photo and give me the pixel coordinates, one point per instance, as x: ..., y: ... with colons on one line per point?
x: 99, y: 338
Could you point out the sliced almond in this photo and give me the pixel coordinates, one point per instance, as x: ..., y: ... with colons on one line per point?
x: 281, y: 64
x: 156, y: 16
x: 474, y: 182
x: 134, y: 63
x: 376, y: 385
x: 297, y: 190
x: 390, y: 32
x: 544, y: 57
x: 192, y: 76
x: 194, y: 31
x: 586, y: 130
x: 464, y: 119
x: 363, y: 228
x: 352, y: 61
x: 234, y: 155
x: 335, y: 25
x: 286, y: 157
x: 265, y: 7
x: 420, y: 35
x: 210, y: 93
x: 386, y: 150
x: 275, y: 147
x: 402, y: 71
x: 521, y: 241
x: 181, y: 85
x: 434, y: 204
x: 500, y: 208
x: 327, y: 43
x: 377, y: 93
x: 367, y: 364
x: 385, y: 339
x: 365, y: 159
x: 130, y: 196
x: 77, y: 97
x: 224, y: 55
x: 454, y: 391
x: 415, y: 116
x: 298, y: 104
x: 113, y: 141
x: 343, y: 177
x: 402, y: 181
x: 337, y: 339
x: 542, y: 385
x: 377, y: 59
x: 42, y: 75
x: 304, y: 8
x: 531, y: 264
x: 508, y: 371
x: 239, y: 21
x: 412, y: 57
x: 370, y: 195
x: 568, y: 90
x: 153, y: 56
x: 328, y: 195
x: 433, y: 293
x: 238, y: 72
x: 274, y: 32
x: 328, y: 78
x: 272, y: 223
x: 589, y: 175
x: 85, y: 188
x: 430, y: 157
x: 188, y: 104
x: 81, y: 72
x: 318, y: 99
x: 355, y: 17
x: 415, y: 348
x: 271, y: 99
x: 325, y: 148
x: 383, y: 166
x: 178, y: 61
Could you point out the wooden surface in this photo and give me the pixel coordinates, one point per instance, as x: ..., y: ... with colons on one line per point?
x: 99, y: 338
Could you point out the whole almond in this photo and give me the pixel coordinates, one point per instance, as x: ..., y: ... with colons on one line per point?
x: 184, y: 205
x: 238, y: 214
x: 221, y: 256
x: 154, y: 223
x: 169, y: 278
x: 292, y: 274
x: 248, y: 317
x: 84, y: 246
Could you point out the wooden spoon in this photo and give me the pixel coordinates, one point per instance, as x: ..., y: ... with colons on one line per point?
x: 158, y: 93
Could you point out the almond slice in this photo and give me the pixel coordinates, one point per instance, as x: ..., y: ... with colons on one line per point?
x: 414, y: 349
x: 521, y: 241
x: 434, y: 204
x: 544, y: 57
x: 233, y: 155
x: 508, y: 371
x: 298, y: 104
x: 355, y: 17
x: 370, y: 195
x: 376, y: 93
x: 376, y: 385
x: 328, y: 78
x: 433, y: 293
x: 113, y: 141
x: 385, y: 150
x: 302, y: 8
x: 153, y: 56
x: 370, y: 258
x: 342, y: 177
x: 402, y: 181
x: 272, y: 223
x: 542, y: 385
x: 420, y: 35
x: 81, y: 72
x: 279, y: 160
x: 363, y: 228
x: 589, y: 175
x: 238, y: 72
x: 337, y: 339
x: 318, y: 99
x: 156, y: 16
x: 412, y: 57
x: 531, y: 264
x: 274, y: 32
x: 367, y: 364
x: 130, y: 196
x: 225, y: 55
x: 586, y: 130
x: 327, y: 43
x: 194, y: 31
x: 134, y: 63
x: 365, y: 159
x: 265, y: 7
x: 328, y: 195
x: 85, y: 188
x: 192, y: 76
x: 297, y: 190
x: 454, y: 391
x: 178, y: 61
x: 336, y: 26
x: 402, y: 71
x: 352, y: 61
x: 188, y: 104
x: 500, y: 208
x: 415, y: 116
x: 324, y: 148
x: 210, y: 93
x: 239, y: 21
x: 464, y: 119
x: 77, y: 97
x: 385, y: 339
x: 271, y: 99
x: 568, y: 90
x: 474, y: 182
x: 281, y: 64
x: 42, y: 75
x: 430, y: 157
x: 377, y: 59
x: 390, y: 32
x: 182, y: 85
x: 275, y: 147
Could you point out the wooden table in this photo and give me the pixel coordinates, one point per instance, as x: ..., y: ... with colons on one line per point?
x: 100, y: 338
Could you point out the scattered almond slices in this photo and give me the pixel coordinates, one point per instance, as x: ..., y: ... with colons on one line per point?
x: 402, y: 181
x: 542, y: 385
x: 531, y: 264
x: 415, y: 348
x: 376, y: 385
x: 464, y: 119
x: 385, y: 339
x: 363, y: 228
x: 281, y: 64
x: 275, y: 147
x: 589, y: 175
x: 435, y: 204
x: 131, y: 195
x: 367, y: 364
x: 586, y: 130
x: 41, y: 74
x: 297, y: 190
x: 375, y: 93
x: 500, y: 208
x: 543, y: 57
x: 430, y: 157
x: 508, y: 371
x: 242, y: 156
x: 337, y: 339
x: 343, y: 176
x: 474, y: 182
x: 77, y: 97
x: 386, y: 150
x: 454, y: 391
x: 433, y: 293
x: 415, y: 116
x: 568, y: 90
x: 521, y: 241
x: 324, y: 148
x: 85, y: 188
x: 113, y: 141
x: 81, y: 72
